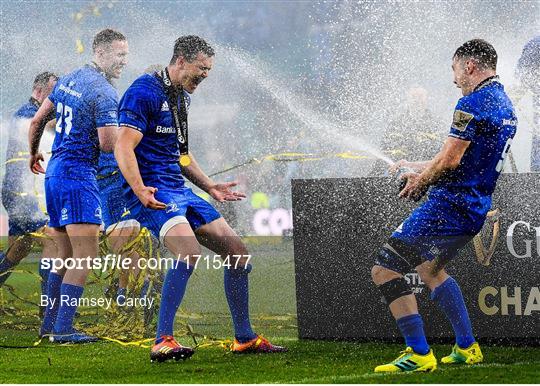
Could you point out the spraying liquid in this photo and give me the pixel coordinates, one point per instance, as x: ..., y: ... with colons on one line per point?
x: 324, y: 127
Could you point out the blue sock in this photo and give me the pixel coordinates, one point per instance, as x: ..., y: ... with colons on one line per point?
x: 5, y: 266
x: 53, y: 294
x: 237, y: 293
x: 144, y: 288
x: 121, y: 293
x: 44, y: 273
x: 448, y: 296
x: 412, y: 329
x: 174, y: 287
x: 66, y: 312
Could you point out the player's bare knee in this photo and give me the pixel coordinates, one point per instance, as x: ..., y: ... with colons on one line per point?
x: 431, y: 275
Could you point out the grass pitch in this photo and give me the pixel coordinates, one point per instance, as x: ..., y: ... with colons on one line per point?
x: 205, y: 309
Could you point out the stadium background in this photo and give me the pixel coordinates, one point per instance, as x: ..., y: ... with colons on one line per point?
x: 302, y: 77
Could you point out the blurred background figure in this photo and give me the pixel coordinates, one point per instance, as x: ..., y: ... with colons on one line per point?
x: 20, y: 190
x: 415, y: 134
x: 528, y: 73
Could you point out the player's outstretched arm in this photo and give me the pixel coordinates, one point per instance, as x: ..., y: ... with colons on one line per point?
x: 37, y: 125
x: 124, y: 152
x: 447, y: 159
x: 219, y: 191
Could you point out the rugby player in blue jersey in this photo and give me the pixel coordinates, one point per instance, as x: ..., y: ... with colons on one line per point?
x: 86, y: 113
x: 119, y: 226
x: 462, y: 178
x: 152, y: 141
x: 24, y: 213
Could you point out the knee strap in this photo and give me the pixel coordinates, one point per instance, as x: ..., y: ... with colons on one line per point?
x: 394, y: 289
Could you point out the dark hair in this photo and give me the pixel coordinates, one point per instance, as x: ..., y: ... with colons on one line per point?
x: 106, y: 36
x: 480, y: 50
x: 189, y: 47
x: 42, y: 79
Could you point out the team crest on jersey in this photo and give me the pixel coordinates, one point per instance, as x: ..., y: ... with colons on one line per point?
x: 165, y: 106
x: 461, y: 120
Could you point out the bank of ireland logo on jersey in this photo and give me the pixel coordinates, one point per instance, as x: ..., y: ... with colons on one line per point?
x: 64, y: 214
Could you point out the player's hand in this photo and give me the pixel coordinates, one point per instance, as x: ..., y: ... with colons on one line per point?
x: 35, y: 163
x: 223, y: 192
x: 399, y: 164
x: 146, y: 196
x: 414, y: 189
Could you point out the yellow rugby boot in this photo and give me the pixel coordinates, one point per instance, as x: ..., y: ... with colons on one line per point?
x: 470, y: 355
x: 410, y: 361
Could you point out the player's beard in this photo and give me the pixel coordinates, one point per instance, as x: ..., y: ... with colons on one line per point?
x: 193, y: 83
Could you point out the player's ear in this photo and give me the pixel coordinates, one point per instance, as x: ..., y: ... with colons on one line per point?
x: 469, y: 66
x: 180, y: 62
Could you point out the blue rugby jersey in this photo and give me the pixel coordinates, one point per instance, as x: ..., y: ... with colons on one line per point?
x: 145, y: 108
x: 84, y: 100
x: 485, y: 117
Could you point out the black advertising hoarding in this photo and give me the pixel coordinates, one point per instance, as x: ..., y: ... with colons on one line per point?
x: 340, y: 224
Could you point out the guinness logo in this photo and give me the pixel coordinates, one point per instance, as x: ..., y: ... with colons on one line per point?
x: 488, y: 235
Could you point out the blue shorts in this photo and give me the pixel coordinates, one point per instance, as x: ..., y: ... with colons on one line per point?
x: 434, y: 230
x: 71, y: 201
x: 183, y: 206
x: 24, y: 213
x: 113, y: 203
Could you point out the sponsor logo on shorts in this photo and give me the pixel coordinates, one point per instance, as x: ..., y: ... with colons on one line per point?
x: 64, y: 214
x: 97, y: 213
x: 165, y: 130
x: 165, y: 106
x: 171, y: 207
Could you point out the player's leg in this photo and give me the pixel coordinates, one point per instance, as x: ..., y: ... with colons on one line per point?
x: 178, y: 238
x: 24, y: 217
x: 48, y: 252
x: 18, y: 248
x: 404, y: 251
x: 84, y: 244
x: 119, y: 236
x: 220, y: 238
x: 446, y: 293
x: 120, y: 227
x: 55, y: 277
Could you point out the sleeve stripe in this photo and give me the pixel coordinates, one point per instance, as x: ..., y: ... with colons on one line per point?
x: 459, y: 136
x: 131, y: 126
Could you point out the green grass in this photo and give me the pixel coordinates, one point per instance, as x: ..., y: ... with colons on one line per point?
x: 273, y: 310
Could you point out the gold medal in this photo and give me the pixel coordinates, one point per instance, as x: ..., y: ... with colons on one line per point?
x: 185, y: 160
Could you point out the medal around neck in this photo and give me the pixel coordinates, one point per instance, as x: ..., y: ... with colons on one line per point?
x: 185, y: 160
